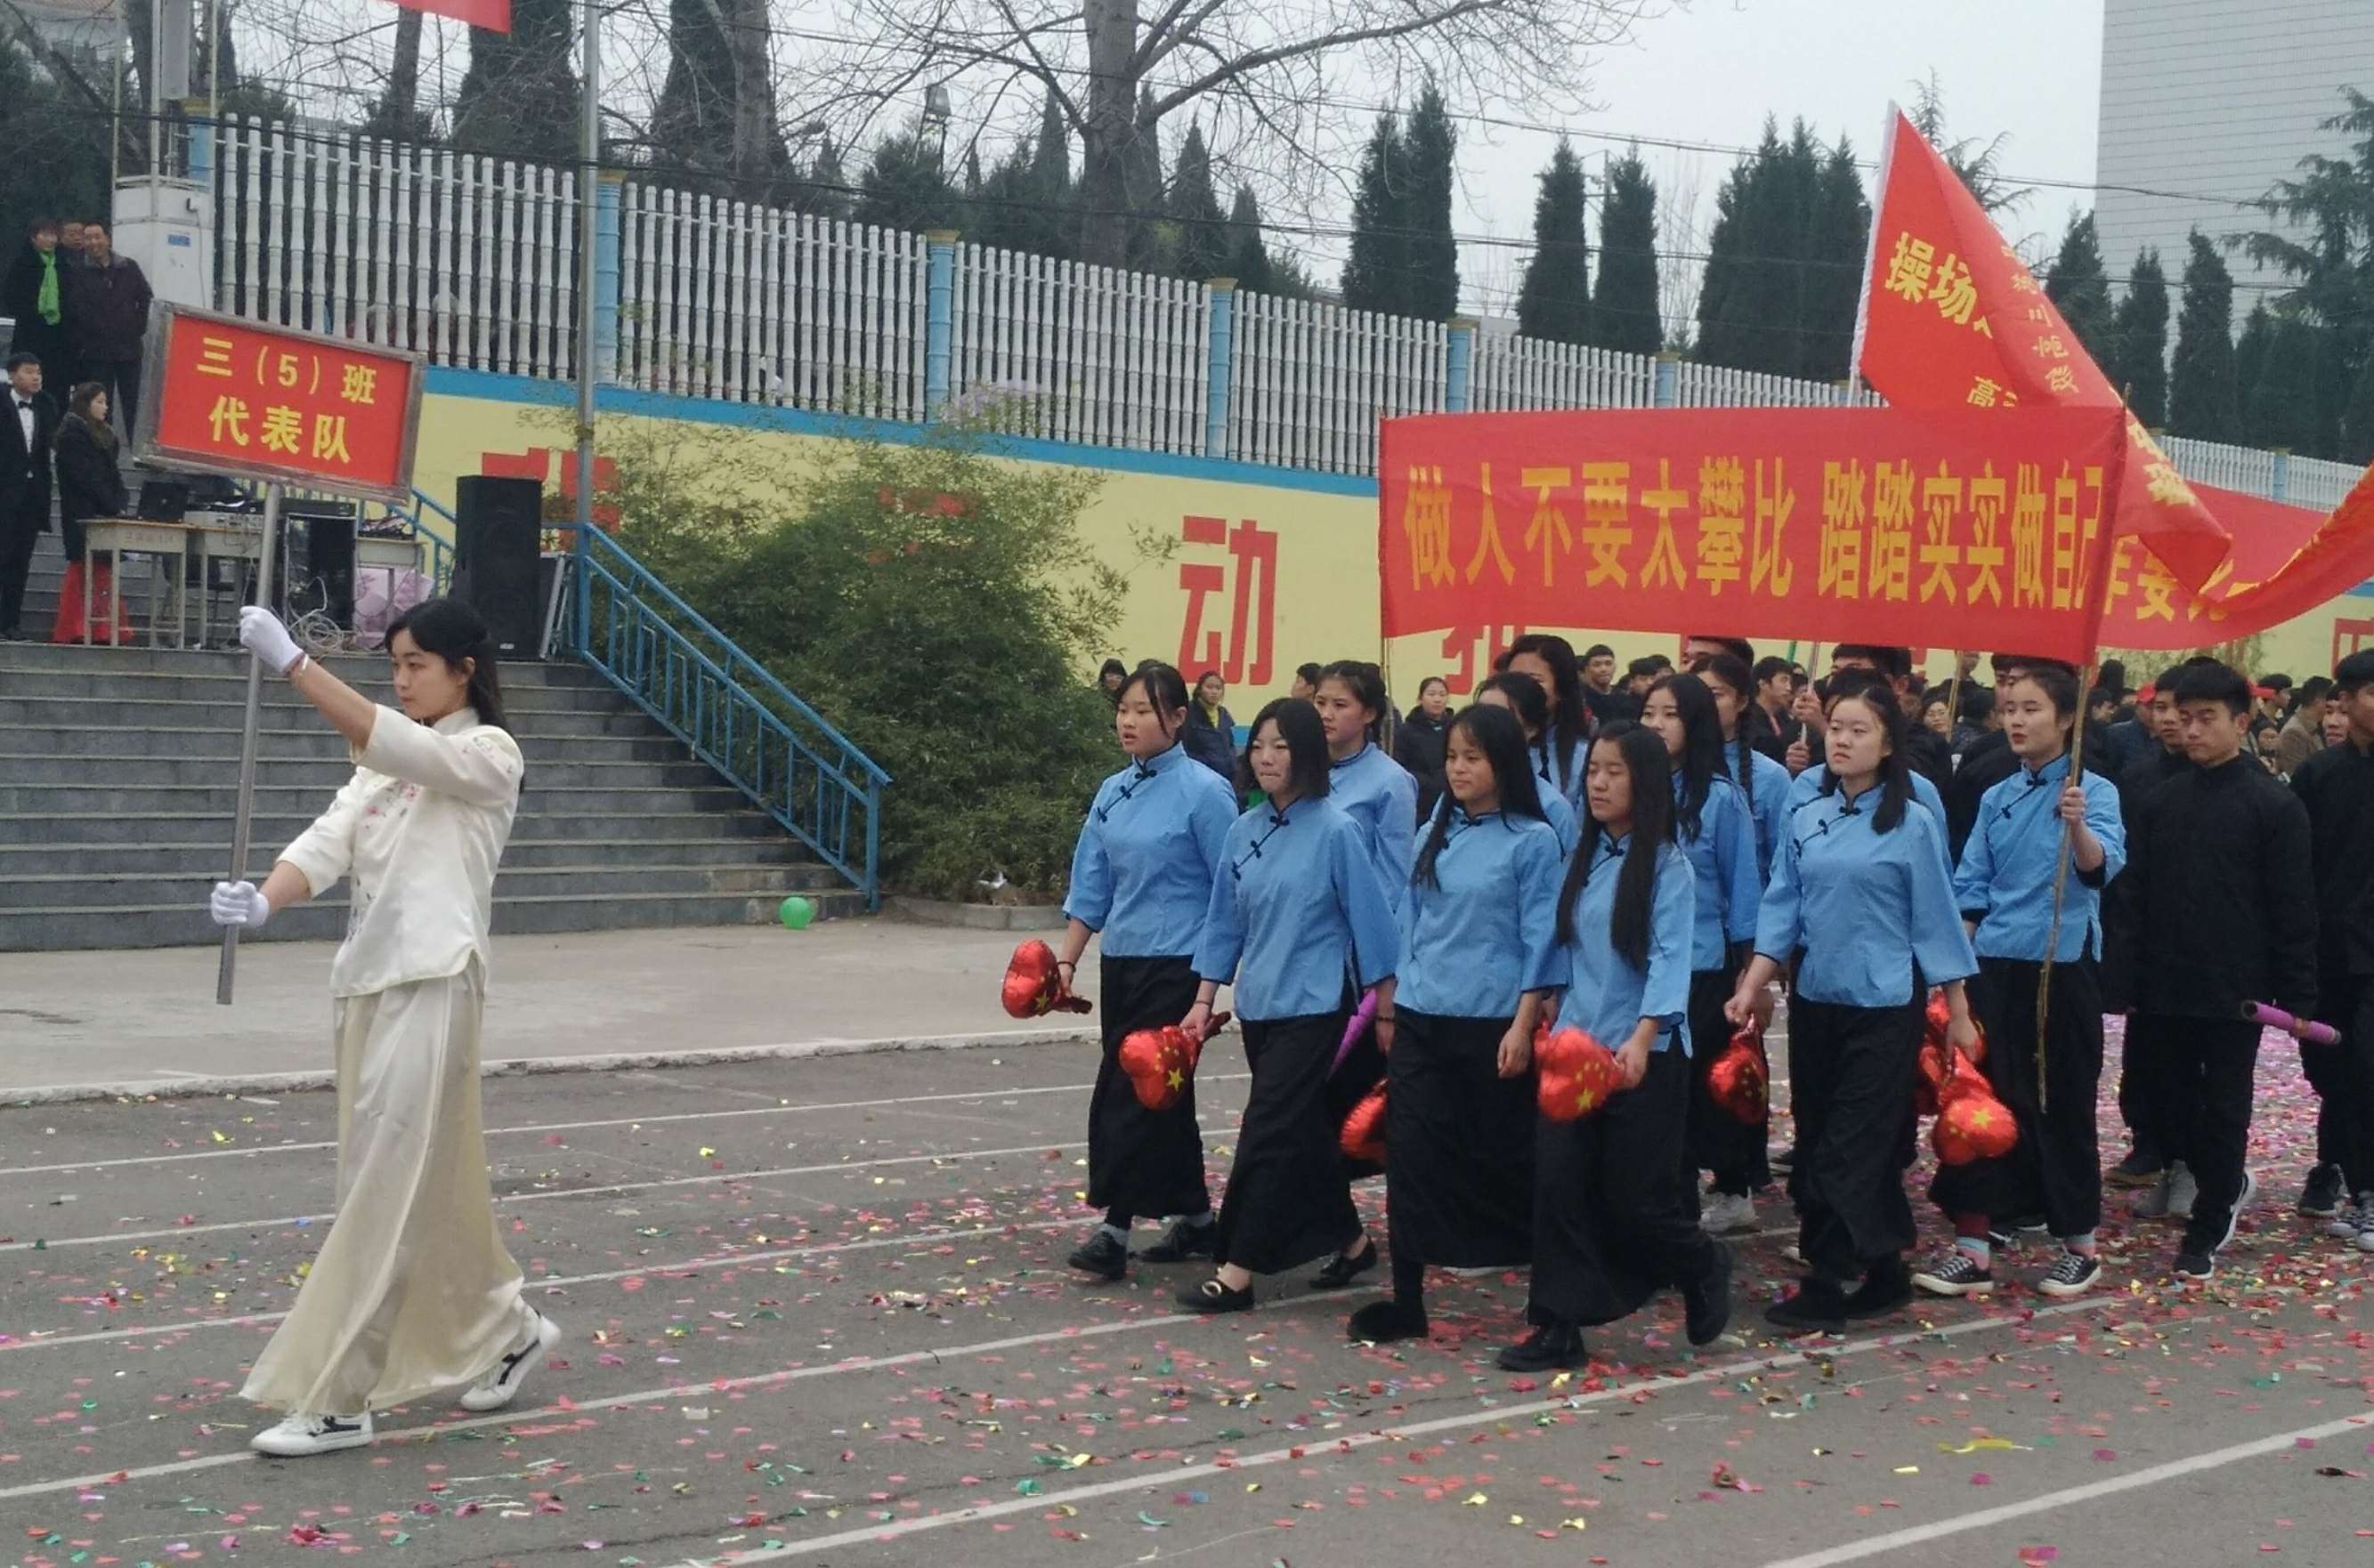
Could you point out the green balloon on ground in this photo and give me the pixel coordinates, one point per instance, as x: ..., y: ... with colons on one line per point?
x: 795, y: 913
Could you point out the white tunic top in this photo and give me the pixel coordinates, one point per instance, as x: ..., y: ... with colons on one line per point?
x: 420, y: 828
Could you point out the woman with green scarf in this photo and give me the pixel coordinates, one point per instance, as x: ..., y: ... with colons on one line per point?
x: 34, y: 294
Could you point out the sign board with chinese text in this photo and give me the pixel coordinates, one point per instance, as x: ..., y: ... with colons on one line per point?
x: 1872, y: 525
x: 230, y: 396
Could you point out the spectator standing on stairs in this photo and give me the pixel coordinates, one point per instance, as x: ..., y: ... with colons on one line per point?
x: 33, y: 296
x: 89, y: 485
x: 413, y: 1290
x: 25, y: 438
x: 107, y: 315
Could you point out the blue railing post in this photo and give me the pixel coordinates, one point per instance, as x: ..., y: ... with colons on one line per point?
x: 607, y: 282
x: 1459, y: 366
x: 939, y: 329
x: 1667, y: 390
x: 1220, y: 366
x: 2280, y: 479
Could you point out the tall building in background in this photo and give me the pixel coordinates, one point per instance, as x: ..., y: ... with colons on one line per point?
x: 2217, y: 99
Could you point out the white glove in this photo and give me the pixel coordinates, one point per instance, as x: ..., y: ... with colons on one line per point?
x: 261, y: 633
x: 241, y: 903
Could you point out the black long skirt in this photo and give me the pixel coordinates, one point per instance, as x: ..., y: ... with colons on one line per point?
x: 2056, y: 1169
x: 1286, y: 1202
x: 1851, y: 1089
x: 1459, y: 1145
x: 1731, y: 1151
x: 1143, y: 1161
x: 1612, y: 1221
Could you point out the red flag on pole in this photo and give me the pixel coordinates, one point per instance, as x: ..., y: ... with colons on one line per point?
x: 495, y: 15
x: 1952, y: 318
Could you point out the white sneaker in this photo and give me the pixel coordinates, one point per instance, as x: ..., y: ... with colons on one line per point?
x: 2366, y: 1229
x: 301, y: 1434
x: 2351, y: 1217
x: 499, y: 1383
x: 1725, y: 1212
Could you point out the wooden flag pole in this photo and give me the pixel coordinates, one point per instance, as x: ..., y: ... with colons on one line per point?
x: 2060, y: 890
x: 242, y: 818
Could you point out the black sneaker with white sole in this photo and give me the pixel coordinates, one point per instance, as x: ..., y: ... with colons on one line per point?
x: 1957, y: 1273
x: 2195, y: 1267
x: 2073, y: 1274
x: 2324, y: 1193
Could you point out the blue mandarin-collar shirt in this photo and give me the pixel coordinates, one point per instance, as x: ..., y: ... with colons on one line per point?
x: 1768, y: 793
x: 1380, y: 798
x: 1809, y: 784
x: 1560, y: 814
x: 1142, y: 872
x: 1294, y: 907
x: 2005, y: 879
x: 1866, y: 906
x: 1545, y: 767
x: 1473, y: 945
x: 1723, y: 858
x: 1605, y: 997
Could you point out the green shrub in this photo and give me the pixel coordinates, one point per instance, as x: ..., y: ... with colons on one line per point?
x: 938, y: 606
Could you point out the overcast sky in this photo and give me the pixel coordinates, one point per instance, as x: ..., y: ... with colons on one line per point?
x: 1712, y: 73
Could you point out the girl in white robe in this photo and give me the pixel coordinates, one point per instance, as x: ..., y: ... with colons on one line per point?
x: 413, y: 1290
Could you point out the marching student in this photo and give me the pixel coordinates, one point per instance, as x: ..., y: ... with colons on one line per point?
x: 2225, y: 899
x: 1860, y: 884
x: 1141, y: 880
x: 1365, y: 783
x: 1713, y: 825
x: 1296, y: 906
x: 2336, y: 785
x: 1521, y: 696
x: 413, y: 1290
x: 1478, y: 961
x: 1549, y: 660
x: 2146, y: 1156
x: 1612, y: 1221
x: 1758, y: 774
x: 2005, y: 886
x: 1853, y: 680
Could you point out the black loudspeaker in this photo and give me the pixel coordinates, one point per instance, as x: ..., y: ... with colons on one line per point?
x: 330, y: 566
x: 497, y: 525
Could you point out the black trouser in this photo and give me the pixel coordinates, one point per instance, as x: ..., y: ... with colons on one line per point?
x: 2134, y: 1100
x: 2343, y: 1078
x: 1612, y: 1221
x: 1730, y: 1150
x: 2056, y: 1165
x: 18, y: 537
x: 2202, y: 1082
x: 1850, y: 1081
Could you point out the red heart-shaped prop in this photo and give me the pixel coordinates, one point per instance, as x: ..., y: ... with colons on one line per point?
x: 1034, y: 984
x: 1577, y: 1073
x: 1160, y: 1064
x: 1363, y: 1137
x: 1971, y: 1123
x: 1737, y: 1081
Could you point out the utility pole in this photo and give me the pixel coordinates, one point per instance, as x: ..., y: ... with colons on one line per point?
x: 589, y: 175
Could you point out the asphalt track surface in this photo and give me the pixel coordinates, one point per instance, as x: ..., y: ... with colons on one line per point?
x: 816, y: 1313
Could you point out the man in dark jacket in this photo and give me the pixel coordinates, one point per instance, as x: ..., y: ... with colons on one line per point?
x: 107, y: 315
x: 2336, y: 785
x: 2224, y: 891
x: 2138, y: 782
x: 31, y: 420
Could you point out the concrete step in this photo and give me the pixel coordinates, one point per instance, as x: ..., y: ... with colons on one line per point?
x: 356, y: 669
x: 581, y: 804
x: 527, y: 722
x: 227, y: 683
x: 278, y: 820
x: 184, y: 924
x: 75, y: 890
x: 318, y: 744
x: 215, y: 767
x: 204, y: 858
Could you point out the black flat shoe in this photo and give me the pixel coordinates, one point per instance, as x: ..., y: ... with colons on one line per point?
x: 1551, y: 1346
x: 1883, y: 1290
x: 1383, y: 1322
x: 1182, y: 1243
x: 1100, y: 1254
x: 1816, y: 1307
x: 1212, y: 1296
x: 1343, y: 1268
x: 1708, y: 1300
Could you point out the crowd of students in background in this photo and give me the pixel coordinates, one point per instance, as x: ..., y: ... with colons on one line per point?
x: 1407, y: 899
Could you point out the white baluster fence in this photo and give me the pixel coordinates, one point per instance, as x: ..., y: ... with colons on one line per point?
x: 472, y: 261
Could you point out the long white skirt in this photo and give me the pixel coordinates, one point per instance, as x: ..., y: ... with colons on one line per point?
x: 413, y: 1290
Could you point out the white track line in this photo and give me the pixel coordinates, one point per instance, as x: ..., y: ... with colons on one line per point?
x: 678, y: 1391
x: 2175, y: 1470
x: 587, y: 1126
x: 954, y: 1157
x: 1341, y: 1443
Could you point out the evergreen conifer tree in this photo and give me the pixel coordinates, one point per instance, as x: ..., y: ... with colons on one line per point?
x: 1374, y: 268
x: 2141, y: 369
x: 1194, y: 207
x: 2202, y: 403
x: 2080, y: 285
x: 1624, y: 314
x: 1555, y: 301
x: 1431, y: 146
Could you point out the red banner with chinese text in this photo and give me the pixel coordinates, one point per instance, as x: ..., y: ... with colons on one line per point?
x: 2286, y: 561
x: 233, y: 397
x: 1952, y: 318
x: 1872, y: 525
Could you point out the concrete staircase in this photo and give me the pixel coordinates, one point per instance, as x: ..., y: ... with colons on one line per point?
x: 119, y: 774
